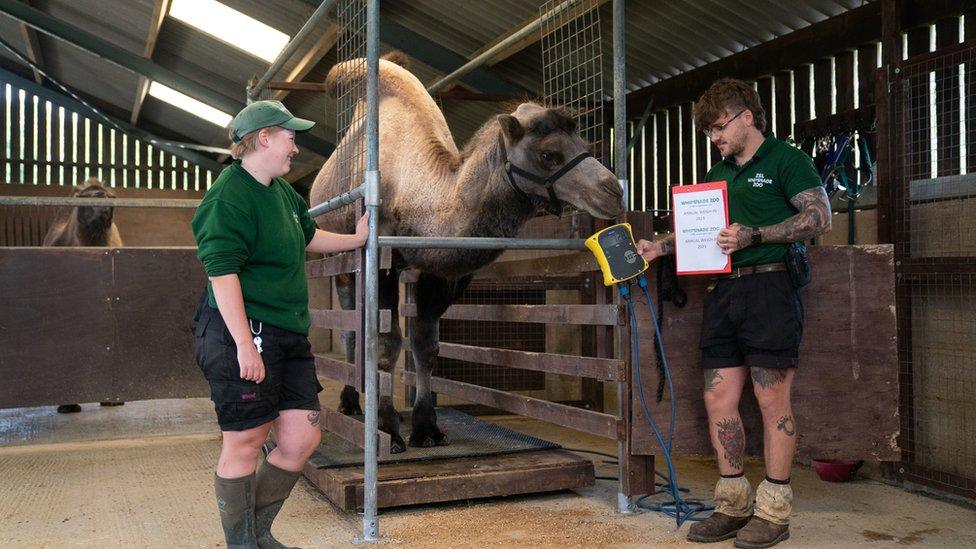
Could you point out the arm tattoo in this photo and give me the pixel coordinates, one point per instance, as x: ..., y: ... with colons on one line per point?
x: 313, y: 418
x: 667, y: 245
x: 712, y: 377
x: 733, y: 441
x: 767, y: 377
x: 786, y: 425
x: 744, y: 236
x: 813, y: 219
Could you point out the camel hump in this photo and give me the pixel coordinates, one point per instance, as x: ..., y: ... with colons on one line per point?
x: 398, y: 57
x: 346, y: 74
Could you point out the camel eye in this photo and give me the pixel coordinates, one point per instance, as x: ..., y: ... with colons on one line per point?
x: 549, y: 159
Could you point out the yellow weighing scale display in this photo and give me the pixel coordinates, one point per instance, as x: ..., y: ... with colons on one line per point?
x: 616, y: 254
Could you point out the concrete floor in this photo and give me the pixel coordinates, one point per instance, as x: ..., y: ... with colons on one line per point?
x: 141, y: 476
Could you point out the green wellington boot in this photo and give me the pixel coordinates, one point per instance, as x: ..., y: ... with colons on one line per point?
x: 235, y: 499
x: 273, y: 487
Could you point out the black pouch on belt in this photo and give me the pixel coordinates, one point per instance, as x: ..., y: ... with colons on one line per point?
x: 797, y: 265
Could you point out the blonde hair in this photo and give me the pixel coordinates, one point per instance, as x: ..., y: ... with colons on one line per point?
x: 248, y: 144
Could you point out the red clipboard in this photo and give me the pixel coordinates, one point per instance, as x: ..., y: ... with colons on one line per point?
x: 684, y: 189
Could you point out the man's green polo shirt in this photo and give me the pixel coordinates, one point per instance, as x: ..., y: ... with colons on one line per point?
x: 760, y: 193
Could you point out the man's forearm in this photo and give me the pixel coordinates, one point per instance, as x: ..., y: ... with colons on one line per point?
x: 813, y: 219
x: 802, y: 226
x: 230, y: 302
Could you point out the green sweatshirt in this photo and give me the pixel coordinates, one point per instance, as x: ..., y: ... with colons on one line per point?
x: 760, y: 193
x: 260, y: 234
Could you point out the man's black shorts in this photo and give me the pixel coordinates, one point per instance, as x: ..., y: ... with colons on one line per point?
x: 289, y: 379
x: 754, y: 320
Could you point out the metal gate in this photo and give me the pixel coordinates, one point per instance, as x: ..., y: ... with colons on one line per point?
x: 933, y: 205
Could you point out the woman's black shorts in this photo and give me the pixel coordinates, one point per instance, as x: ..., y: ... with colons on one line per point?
x: 754, y: 320
x: 289, y: 380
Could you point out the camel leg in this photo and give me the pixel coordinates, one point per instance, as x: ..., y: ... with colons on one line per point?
x: 389, y: 351
x: 434, y: 296
x: 346, y: 289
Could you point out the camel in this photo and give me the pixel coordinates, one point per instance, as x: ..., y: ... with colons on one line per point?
x: 514, y: 165
x: 85, y: 226
x: 88, y: 226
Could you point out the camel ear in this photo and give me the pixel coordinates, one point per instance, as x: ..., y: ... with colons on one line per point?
x: 511, y: 127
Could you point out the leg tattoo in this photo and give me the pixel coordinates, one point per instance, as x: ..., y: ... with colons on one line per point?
x: 712, y: 377
x: 786, y: 425
x: 767, y: 377
x: 313, y: 418
x: 733, y: 440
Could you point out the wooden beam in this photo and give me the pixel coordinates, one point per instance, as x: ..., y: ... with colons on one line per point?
x: 351, y: 430
x: 284, y: 85
x: 587, y: 315
x: 311, y: 58
x: 595, y: 423
x: 531, y: 38
x: 33, y: 48
x: 578, y: 366
x: 462, y: 94
x: 888, y: 144
x: 338, y: 319
x: 155, y: 23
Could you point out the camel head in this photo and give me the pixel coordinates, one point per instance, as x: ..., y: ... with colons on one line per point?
x: 94, y: 216
x: 540, y: 142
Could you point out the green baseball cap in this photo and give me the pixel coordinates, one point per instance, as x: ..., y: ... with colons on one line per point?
x: 264, y: 114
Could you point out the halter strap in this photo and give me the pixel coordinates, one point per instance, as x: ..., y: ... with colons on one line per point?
x: 548, y: 182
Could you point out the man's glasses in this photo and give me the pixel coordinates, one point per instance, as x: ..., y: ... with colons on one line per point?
x: 721, y: 128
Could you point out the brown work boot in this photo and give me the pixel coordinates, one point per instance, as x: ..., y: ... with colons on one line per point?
x: 717, y: 527
x: 761, y: 533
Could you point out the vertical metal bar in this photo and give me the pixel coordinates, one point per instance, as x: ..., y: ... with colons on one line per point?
x: 619, y: 100
x: 620, y: 167
x: 370, y: 523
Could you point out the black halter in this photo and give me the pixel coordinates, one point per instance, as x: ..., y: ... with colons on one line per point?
x: 553, y: 207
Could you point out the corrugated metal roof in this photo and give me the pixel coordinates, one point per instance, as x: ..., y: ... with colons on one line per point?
x: 663, y: 40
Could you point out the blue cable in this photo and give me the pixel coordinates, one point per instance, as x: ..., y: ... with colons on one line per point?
x: 680, y: 510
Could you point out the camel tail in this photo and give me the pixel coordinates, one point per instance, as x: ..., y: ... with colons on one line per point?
x: 348, y: 73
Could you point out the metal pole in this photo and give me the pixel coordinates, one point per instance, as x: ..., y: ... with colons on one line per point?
x: 504, y: 44
x: 72, y: 201
x: 370, y: 341
x: 620, y: 167
x: 403, y: 242
x: 338, y: 202
x: 320, y: 13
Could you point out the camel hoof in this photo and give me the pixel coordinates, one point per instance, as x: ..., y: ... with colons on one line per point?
x: 428, y: 438
x: 397, y: 446
x: 69, y: 408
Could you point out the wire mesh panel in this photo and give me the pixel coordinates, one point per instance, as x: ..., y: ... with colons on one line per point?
x: 350, y: 98
x: 572, y: 66
x: 935, y: 246
x: 350, y: 153
x: 500, y: 335
x: 572, y: 79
